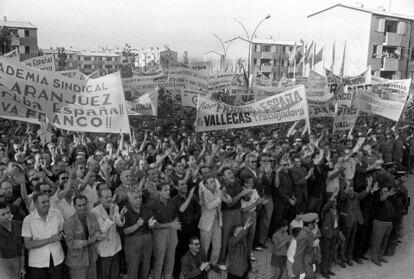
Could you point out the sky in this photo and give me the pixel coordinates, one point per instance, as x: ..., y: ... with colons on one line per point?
x: 183, y: 25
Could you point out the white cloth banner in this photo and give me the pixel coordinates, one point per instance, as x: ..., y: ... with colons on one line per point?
x: 45, y: 62
x: 284, y: 107
x: 93, y: 105
x: 138, y: 85
x: 345, y: 118
x: 187, y: 78
x: 345, y: 88
x: 386, y: 99
x: 14, y: 54
x: 147, y: 104
x: 76, y: 74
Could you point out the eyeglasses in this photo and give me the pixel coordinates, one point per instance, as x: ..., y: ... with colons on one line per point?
x: 195, y: 244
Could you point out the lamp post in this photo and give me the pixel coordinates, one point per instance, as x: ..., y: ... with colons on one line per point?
x: 250, y: 39
x: 225, y: 49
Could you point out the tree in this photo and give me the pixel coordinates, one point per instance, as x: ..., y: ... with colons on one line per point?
x: 5, y: 39
x: 128, y: 60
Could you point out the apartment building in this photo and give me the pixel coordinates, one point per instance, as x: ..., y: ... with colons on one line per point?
x: 271, y: 57
x: 88, y: 61
x: 23, y: 37
x: 357, y: 37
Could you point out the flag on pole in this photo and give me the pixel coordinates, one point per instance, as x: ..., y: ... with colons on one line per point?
x: 341, y: 71
x: 309, y: 53
x: 318, y: 57
x: 333, y: 57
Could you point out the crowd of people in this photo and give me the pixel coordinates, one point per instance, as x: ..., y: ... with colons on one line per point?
x: 166, y: 202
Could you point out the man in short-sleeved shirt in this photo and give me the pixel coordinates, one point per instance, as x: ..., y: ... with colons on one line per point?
x: 42, y: 233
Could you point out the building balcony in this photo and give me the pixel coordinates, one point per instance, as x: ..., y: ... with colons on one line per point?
x: 392, y: 39
x: 389, y: 64
x: 266, y: 68
x: 268, y: 55
x: 376, y: 64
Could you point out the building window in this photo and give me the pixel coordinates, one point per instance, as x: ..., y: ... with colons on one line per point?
x: 27, y: 49
x: 108, y: 66
x: 391, y: 26
x: 87, y: 66
x: 266, y: 48
x: 87, y: 58
x: 26, y: 33
x: 411, y: 75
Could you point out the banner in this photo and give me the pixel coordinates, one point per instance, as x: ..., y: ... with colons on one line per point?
x: 345, y: 118
x: 189, y: 98
x: 203, y: 67
x: 186, y: 78
x: 220, y: 81
x: 143, y: 83
x: 317, y: 88
x: 14, y: 54
x: 94, y: 105
x: 386, y: 99
x: 147, y: 104
x: 75, y: 74
x: 284, y: 107
x: 345, y: 88
x: 359, y: 144
x: 45, y: 62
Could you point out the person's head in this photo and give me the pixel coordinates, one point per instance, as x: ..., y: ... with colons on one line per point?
x: 237, y: 230
x: 298, y: 142
x: 5, y: 214
x: 126, y: 177
x: 164, y: 190
x: 297, y: 161
x: 81, y: 205
x: 228, y: 174
x: 143, y: 165
x: 182, y: 187
x: 284, y: 163
x: 80, y: 171
x: 251, y: 161
x: 192, y: 161
x: 204, y: 171
x: 7, y: 189
x: 63, y: 177
x: 105, y: 197
x: 153, y: 174
x: 41, y: 202
x: 119, y: 165
x: 99, y: 154
x: 210, y: 182
x: 194, y: 245
x: 44, y: 188
x: 135, y: 198
x: 179, y: 168
x: 47, y: 159
x: 248, y: 182
x: 19, y: 157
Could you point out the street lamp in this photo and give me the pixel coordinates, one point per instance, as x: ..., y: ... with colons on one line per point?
x: 225, y: 49
x: 250, y: 39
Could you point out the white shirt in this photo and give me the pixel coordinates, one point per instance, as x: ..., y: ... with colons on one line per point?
x: 36, y: 228
x: 253, y: 198
x: 112, y: 244
x: 291, y: 252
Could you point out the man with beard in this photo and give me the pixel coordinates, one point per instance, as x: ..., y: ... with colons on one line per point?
x: 11, y: 245
x: 81, y: 234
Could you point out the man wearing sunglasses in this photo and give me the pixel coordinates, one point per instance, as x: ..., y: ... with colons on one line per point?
x: 194, y: 263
